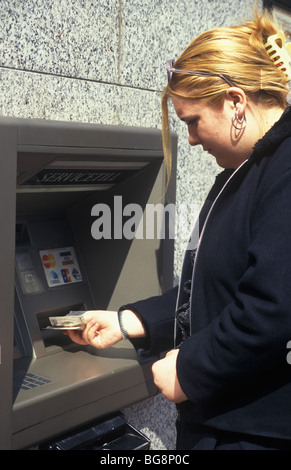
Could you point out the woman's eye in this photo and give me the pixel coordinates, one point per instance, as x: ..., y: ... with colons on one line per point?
x: 191, y: 122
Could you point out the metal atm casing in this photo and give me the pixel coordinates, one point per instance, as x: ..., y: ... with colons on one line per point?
x: 82, y: 384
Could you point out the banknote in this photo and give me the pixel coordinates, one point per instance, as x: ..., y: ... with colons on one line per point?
x: 73, y: 320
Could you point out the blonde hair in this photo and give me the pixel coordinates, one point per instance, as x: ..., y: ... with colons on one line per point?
x: 239, y: 54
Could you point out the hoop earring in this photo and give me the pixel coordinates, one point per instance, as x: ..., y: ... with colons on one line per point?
x: 242, y: 121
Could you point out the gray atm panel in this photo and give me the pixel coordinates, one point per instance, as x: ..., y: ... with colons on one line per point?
x: 80, y: 385
x: 46, y: 259
x: 50, y: 385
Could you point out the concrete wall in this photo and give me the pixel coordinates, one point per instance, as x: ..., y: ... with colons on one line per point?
x: 103, y: 61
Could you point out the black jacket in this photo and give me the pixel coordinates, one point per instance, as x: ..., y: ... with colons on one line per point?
x: 233, y: 367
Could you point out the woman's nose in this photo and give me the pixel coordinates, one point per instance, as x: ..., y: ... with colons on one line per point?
x: 193, y: 138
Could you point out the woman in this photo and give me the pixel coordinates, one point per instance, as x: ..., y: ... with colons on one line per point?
x: 228, y: 372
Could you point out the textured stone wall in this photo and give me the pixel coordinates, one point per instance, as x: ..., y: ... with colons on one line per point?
x: 103, y: 61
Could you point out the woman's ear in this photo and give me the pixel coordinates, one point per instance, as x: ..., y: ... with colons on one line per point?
x: 237, y: 100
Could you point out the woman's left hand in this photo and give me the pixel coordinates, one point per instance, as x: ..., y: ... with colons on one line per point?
x: 165, y: 377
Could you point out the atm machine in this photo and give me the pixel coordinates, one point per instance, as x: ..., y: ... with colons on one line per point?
x: 55, y: 176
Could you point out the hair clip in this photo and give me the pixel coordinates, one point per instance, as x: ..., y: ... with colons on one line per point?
x: 279, y: 52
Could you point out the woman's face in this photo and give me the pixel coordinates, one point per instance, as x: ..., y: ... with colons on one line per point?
x: 211, y: 127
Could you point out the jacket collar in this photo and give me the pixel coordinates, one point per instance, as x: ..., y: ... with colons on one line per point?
x: 280, y: 131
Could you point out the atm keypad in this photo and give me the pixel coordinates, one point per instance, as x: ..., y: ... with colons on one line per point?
x: 31, y: 381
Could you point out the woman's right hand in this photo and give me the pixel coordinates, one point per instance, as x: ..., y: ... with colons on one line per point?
x: 103, y: 329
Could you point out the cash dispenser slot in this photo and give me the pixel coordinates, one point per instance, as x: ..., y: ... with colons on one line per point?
x: 54, y: 387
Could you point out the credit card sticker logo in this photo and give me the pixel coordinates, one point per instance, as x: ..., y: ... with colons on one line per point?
x: 61, y: 266
x: 76, y: 275
x: 48, y: 261
x: 54, y: 278
x: 66, y: 275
